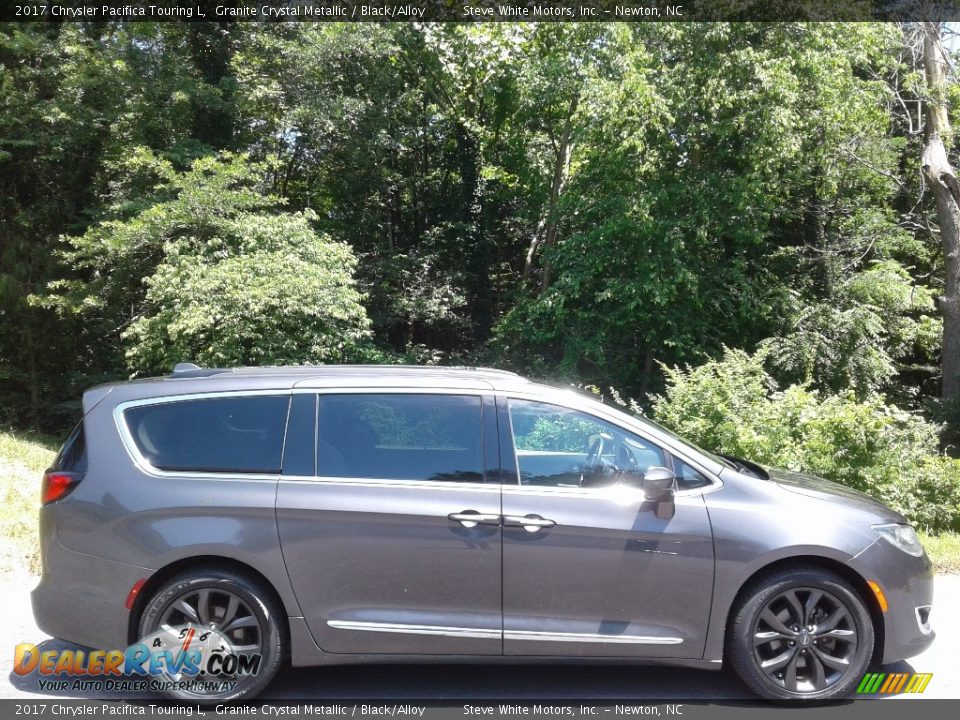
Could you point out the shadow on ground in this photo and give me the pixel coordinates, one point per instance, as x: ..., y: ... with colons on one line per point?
x: 472, y: 682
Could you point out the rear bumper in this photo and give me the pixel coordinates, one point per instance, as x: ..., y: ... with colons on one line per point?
x: 81, y: 597
x: 907, y: 584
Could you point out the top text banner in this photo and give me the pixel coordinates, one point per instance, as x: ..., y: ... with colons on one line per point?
x: 477, y: 11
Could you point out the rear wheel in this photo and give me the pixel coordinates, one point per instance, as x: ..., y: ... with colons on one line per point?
x: 211, y: 609
x: 801, y: 635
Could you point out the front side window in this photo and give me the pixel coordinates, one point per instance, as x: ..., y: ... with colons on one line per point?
x: 400, y: 437
x: 559, y: 447
x: 228, y: 434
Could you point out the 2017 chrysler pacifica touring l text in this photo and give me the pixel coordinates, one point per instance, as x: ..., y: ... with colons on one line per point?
x: 359, y: 514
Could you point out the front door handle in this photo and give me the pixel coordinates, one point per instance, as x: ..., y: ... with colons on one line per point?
x: 472, y: 518
x: 530, y: 523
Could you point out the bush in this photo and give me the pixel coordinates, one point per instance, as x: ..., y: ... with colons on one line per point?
x: 733, y: 406
x: 275, y: 292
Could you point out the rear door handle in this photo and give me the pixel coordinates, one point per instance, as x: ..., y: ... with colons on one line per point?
x: 472, y: 518
x: 530, y: 523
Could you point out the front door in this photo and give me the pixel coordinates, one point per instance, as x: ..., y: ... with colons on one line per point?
x: 392, y: 543
x: 588, y: 567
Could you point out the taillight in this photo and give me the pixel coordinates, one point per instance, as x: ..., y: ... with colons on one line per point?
x: 57, y: 484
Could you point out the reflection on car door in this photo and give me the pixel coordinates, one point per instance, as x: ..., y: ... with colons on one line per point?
x: 588, y: 567
x: 393, y: 544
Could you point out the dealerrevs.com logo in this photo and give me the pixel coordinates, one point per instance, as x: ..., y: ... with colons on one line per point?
x: 191, y: 659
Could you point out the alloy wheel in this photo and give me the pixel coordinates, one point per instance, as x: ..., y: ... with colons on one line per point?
x: 218, y: 610
x: 805, y: 639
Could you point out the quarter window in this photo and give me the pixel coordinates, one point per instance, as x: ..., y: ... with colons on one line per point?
x: 399, y: 436
x: 73, y: 454
x: 688, y: 478
x: 560, y: 447
x: 230, y: 434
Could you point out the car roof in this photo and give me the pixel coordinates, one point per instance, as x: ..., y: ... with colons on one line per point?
x: 320, y: 376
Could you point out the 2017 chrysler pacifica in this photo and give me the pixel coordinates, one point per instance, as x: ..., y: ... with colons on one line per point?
x: 346, y: 514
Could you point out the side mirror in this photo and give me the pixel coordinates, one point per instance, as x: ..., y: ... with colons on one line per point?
x: 658, y: 484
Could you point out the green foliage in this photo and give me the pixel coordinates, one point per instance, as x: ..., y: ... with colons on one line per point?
x: 561, y: 432
x: 395, y: 426
x: 943, y: 551
x: 598, y: 199
x: 23, y: 458
x: 876, y: 317
x: 730, y: 183
x: 733, y: 406
x: 283, y: 295
x: 228, y: 277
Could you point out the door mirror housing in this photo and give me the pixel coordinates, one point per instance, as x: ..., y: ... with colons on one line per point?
x: 657, y: 484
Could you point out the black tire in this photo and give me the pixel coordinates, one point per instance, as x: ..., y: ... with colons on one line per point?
x: 257, y: 603
x: 774, y: 651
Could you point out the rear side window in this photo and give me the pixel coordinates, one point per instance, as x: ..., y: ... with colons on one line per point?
x: 73, y: 455
x: 402, y: 437
x: 234, y: 434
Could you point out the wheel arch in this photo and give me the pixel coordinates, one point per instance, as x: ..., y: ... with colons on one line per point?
x: 858, y: 582
x: 196, y: 562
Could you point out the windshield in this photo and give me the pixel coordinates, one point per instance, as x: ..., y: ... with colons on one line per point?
x: 667, y: 431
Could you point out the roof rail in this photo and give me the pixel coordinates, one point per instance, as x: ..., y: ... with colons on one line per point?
x: 190, y: 370
x: 183, y: 367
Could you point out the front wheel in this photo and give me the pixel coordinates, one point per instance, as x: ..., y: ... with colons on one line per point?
x: 220, y: 613
x: 801, y: 635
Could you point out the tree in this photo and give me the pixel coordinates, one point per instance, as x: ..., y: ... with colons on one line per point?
x: 281, y: 294
x: 56, y: 95
x: 943, y: 182
x: 711, y: 199
x: 214, y: 271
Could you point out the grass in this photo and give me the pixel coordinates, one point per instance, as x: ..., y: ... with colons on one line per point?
x: 23, y: 458
x: 944, y: 551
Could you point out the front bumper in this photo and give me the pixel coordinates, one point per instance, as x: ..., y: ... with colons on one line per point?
x: 907, y: 584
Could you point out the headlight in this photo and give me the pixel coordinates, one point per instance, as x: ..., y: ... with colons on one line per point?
x: 901, y: 536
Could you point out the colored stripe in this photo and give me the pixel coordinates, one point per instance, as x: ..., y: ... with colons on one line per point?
x: 891, y: 682
x: 867, y: 679
x: 891, y: 679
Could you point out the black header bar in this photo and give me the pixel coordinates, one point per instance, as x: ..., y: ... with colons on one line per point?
x: 477, y: 10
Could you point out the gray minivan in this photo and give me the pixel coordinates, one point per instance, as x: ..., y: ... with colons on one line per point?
x: 344, y: 514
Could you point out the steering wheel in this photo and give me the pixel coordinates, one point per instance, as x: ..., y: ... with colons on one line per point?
x: 594, y: 465
x: 626, y: 461
x: 595, y: 454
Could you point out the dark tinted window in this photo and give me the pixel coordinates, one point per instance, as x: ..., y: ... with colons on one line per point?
x: 73, y: 455
x: 561, y: 447
x: 298, y: 450
x: 235, y: 434
x: 404, y: 437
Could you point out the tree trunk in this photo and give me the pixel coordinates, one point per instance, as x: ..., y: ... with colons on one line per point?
x: 477, y: 258
x: 546, y: 234
x: 946, y: 190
